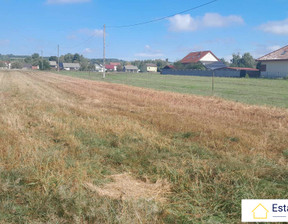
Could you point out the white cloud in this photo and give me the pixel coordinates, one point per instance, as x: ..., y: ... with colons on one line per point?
x: 147, y: 47
x: 183, y: 23
x: 87, y: 50
x: 276, y: 27
x: 216, y: 20
x: 209, y: 20
x: 91, y: 32
x: 65, y: 1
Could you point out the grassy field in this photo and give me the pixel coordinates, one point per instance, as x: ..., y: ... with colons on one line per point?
x: 251, y: 91
x: 82, y: 151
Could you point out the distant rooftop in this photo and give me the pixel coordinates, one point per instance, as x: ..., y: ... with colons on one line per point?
x: 195, y: 57
x: 278, y: 55
x: 131, y: 67
x: 151, y: 65
x: 71, y: 65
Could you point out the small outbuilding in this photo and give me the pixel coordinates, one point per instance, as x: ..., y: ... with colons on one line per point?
x: 71, y: 66
x: 53, y: 64
x: 131, y: 68
x: 151, y: 67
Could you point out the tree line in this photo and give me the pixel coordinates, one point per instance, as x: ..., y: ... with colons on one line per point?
x: 238, y: 60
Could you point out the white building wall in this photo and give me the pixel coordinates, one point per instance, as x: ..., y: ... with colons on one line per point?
x: 209, y: 57
x: 275, y: 69
x: 151, y: 69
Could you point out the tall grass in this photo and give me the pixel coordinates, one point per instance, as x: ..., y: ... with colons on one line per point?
x: 58, y: 133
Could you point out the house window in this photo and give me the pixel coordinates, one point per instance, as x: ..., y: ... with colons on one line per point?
x: 263, y: 68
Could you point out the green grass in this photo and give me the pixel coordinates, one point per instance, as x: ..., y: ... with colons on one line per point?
x: 251, y: 91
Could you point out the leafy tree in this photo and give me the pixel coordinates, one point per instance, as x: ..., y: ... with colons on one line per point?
x: 44, y: 65
x: 68, y: 58
x: 53, y: 58
x: 119, y: 68
x: 76, y: 58
x: 28, y: 60
x: 246, y: 60
x: 16, y: 65
x: 84, y: 65
x: 224, y: 61
x: 36, y: 62
x: 35, y: 56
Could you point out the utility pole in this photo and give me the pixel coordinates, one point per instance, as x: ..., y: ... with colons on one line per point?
x: 58, y: 66
x: 104, y: 36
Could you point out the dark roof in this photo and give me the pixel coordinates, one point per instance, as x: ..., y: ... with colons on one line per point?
x: 195, y: 57
x: 278, y: 55
x: 212, y: 65
x: 169, y: 67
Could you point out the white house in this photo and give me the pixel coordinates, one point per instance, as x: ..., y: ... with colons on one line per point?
x: 99, y: 68
x: 199, y: 56
x: 7, y: 65
x: 275, y: 64
x: 71, y: 66
x: 206, y: 58
x: 53, y: 64
x: 131, y: 68
x: 151, y: 67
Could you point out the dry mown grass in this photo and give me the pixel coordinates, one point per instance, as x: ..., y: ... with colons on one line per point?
x: 59, y: 133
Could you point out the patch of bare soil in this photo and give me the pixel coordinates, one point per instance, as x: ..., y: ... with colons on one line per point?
x: 125, y: 187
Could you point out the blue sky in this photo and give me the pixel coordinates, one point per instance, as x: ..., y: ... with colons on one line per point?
x: 224, y: 27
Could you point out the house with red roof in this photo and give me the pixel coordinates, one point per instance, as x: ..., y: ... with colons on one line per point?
x: 206, y: 58
x: 199, y: 56
x: 275, y: 64
x: 110, y: 68
x: 115, y: 63
x: 6, y: 65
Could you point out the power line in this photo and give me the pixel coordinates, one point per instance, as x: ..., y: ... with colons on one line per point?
x: 81, y: 43
x: 165, y: 17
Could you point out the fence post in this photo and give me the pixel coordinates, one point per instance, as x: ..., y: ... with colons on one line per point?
x: 213, y: 83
